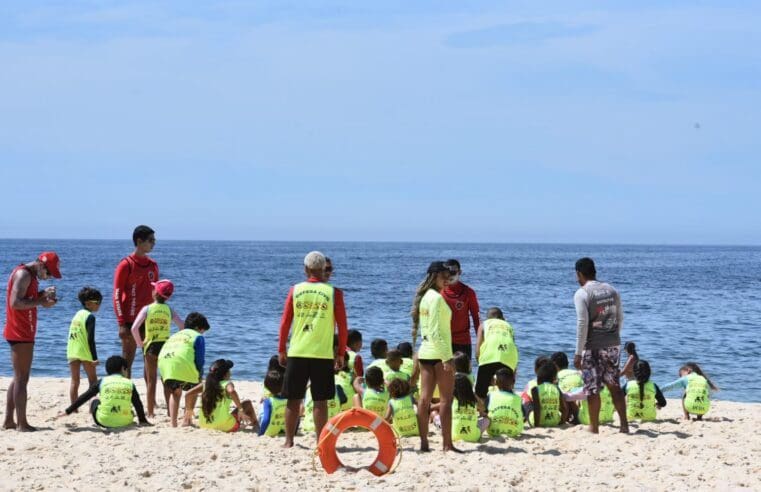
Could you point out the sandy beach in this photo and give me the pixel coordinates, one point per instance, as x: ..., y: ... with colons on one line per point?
x: 71, y: 453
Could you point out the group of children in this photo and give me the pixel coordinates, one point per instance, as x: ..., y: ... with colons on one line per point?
x: 388, y: 386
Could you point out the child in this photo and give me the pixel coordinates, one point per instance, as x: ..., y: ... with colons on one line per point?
x: 549, y: 407
x: 343, y: 380
x: 503, y: 407
x: 371, y: 393
x: 462, y: 366
x: 465, y: 421
x: 568, y: 379
x: 642, y: 395
x: 628, y: 370
x: 334, y: 407
x: 379, y: 351
x: 80, y: 349
x: 495, y: 349
x: 697, y: 386
x: 394, y: 364
x: 408, y: 363
x: 181, y: 363
x: 156, y: 318
x: 607, y: 409
x: 117, y: 397
x: 218, y: 394
x: 354, y: 345
x: 401, y: 409
x: 526, y: 395
x: 273, y: 408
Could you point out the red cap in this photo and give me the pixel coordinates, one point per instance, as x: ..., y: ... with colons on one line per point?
x: 52, y: 262
x: 164, y: 288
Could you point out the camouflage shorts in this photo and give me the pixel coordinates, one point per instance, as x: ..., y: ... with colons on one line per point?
x: 598, y: 367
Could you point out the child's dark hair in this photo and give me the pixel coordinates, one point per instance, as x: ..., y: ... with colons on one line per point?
x: 115, y: 364
x: 641, y: 371
x: 89, y: 294
x: 463, y: 391
x: 495, y: 313
x: 212, y: 389
x: 374, y: 377
x: 354, y: 336
x: 547, y: 373
x: 378, y: 348
x: 505, y: 377
x: 539, y: 361
x: 398, y: 388
x: 274, y: 365
x: 694, y: 367
x: 405, y: 348
x: 196, y: 321
x: 142, y: 233
x: 631, y: 349
x: 560, y: 360
x: 394, y: 354
x: 273, y: 381
x: 461, y: 362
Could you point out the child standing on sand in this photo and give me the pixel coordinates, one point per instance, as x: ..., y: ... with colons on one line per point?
x: 401, y: 409
x: 80, y: 349
x: 154, y: 320
x: 697, y: 395
x: 643, y: 397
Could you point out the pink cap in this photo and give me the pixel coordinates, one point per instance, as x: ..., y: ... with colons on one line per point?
x: 164, y: 288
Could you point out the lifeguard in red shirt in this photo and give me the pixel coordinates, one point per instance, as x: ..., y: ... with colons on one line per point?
x: 133, y: 289
x: 463, y: 302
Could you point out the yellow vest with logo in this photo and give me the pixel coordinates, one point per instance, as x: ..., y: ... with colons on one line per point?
x: 408, y: 366
x: 78, y: 348
x: 220, y: 419
x: 697, y: 395
x: 549, y: 399
x: 640, y: 409
x: 158, y: 321
x: 343, y: 379
x: 505, y: 414
x: 177, y: 357
x: 334, y: 407
x: 115, y: 409
x: 465, y: 423
x: 568, y: 379
x: 607, y: 409
x: 499, y: 344
x: 314, y: 321
x: 405, y: 418
x: 435, y: 327
x: 375, y: 401
x: 276, y: 425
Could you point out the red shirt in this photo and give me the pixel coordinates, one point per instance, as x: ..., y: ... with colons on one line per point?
x: 339, y: 312
x: 462, y: 301
x: 132, y: 286
x: 21, y: 324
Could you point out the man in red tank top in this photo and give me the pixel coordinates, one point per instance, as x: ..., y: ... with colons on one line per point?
x: 21, y: 303
x: 463, y: 302
x: 132, y: 287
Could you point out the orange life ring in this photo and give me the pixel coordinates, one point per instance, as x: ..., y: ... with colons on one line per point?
x: 358, y: 417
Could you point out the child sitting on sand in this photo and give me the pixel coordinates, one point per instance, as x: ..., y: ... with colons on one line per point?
x: 462, y: 366
x: 157, y: 318
x: 117, y: 397
x: 343, y: 380
x: 643, y: 396
x: 503, y: 407
x: 371, y: 392
x: 217, y: 395
x: 628, y: 370
x: 334, y: 408
x: 408, y: 362
x: 273, y: 408
x: 531, y: 384
x: 379, y: 351
x: 466, y: 425
x: 569, y: 381
x: 697, y: 395
x: 401, y: 409
x: 354, y: 345
x: 80, y: 349
x: 272, y: 365
x: 549, y: 408
x: 394, y: 364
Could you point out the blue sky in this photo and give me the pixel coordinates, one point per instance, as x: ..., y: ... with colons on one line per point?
x: 589, y: 122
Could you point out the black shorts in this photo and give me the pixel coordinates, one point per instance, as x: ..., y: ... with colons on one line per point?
x: 94, y: 404
x: 16, y: 342
x: 484, y: 378
x: 465, y: 349
x: 154, y: 348
x: 429, y: 362
x: 174, y: 385
x: 319, y: 372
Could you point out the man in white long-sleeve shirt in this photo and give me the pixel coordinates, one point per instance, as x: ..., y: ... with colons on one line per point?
x: 599, y: 319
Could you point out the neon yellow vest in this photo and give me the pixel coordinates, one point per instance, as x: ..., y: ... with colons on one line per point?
x: 334, y: 407
x: 276, y: 426
x: 380, y: 364
x: 313, y: 321
x: 343, y: 379
x: 568, y: 379
x: 435, y: 327
x: 465, y: 423
x: 177, y: 357
x: 157, y: 324
x: 405, y: 418
x: 115, y: 409
x: 220, y: 419
x: 408, y: 366
x: 78, y: 348
x: 637, y: 409
x: 505, y: 414
x: 352, y: 359
x: 697, y: 396
x: 391, y: 375
x: 375, y: 401
x: 607, y: 409
x: 499, y: 344
x: 549, y: 399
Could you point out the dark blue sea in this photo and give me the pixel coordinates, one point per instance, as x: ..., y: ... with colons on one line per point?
x: 681, y: 303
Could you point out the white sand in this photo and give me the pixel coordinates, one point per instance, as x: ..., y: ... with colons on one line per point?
x: 722, y: 452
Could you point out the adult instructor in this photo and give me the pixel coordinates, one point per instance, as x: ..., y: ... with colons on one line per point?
x: 600, y: 319
x: 312, y: 311
x: 22, y: 299
x: 133, y: 289
x: 463, y: 302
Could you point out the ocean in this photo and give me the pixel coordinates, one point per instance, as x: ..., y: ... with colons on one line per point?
x: 681, y: 303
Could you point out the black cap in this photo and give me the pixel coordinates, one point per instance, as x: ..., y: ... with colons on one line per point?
x: 437, y: 266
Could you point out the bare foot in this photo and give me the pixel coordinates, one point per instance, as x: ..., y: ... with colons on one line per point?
x: 26, y: 428
x: 453, y: 449
x: 150, y: 415
x: 288, y: 445
x: 185, y: 423
x: 593, y: 431
x: 9, y: 425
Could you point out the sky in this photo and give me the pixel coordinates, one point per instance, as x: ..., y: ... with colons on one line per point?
x: 487, y: 121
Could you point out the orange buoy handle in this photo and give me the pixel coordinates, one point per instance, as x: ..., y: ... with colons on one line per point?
x: 358, y: 417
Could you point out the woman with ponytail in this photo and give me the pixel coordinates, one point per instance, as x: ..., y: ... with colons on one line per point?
x: 643, y: 396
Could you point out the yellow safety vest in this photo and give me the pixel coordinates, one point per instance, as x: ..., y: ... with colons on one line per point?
x: 334, y: 407
x: 313, y: 321
x: 115, y: 409
x: 607, y: 409
x: 343, y: 379
x: 177, y: 357
x: 375, y: 401
x: 78, y: 348
x: 405, y: 418
x: 465, y: 423
x: 158, y: 321
x: 498, y: 344
x: 697, y: 396
x: 220, y: 419
x: 505, y: 413
x: 276, y: 425
x: 640, y: 409
x: 549, y: 399
x: 569, y: 379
